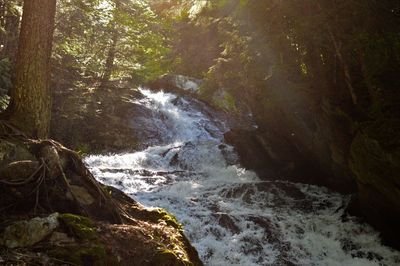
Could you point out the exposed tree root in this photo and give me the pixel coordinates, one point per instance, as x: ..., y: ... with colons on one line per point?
x: 57, y: 181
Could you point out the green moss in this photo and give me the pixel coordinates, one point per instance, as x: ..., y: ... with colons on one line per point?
x: 226, y: 102
x: 89, y: 251
x: 163, y: 215
x: 79, y: 226
x: 230, y: 101
x: 78, y: 255
x: 83, y: 149
x: 167, y: 257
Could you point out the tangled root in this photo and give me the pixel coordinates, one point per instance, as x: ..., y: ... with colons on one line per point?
x: 57, y: 180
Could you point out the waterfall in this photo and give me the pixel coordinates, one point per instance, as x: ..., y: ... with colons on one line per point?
x: 231, y: 216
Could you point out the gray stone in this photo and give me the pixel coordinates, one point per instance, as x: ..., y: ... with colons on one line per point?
x: 29, y: 232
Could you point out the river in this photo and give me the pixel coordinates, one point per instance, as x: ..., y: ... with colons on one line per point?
x: 229, y: 214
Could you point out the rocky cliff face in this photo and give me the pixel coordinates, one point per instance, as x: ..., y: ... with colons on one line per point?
x: 324, y: 142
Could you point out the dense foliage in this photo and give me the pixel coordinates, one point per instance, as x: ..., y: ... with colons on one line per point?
x: 352, y: 46
x: 346, y: 50
x: 95, y: 41
x: 103, y: 39
x: 10, y: 12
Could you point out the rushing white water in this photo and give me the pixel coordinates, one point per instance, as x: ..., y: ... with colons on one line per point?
x: 232, y: 217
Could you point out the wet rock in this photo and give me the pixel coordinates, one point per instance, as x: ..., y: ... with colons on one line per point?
x: 258, y: 155
x: 227, y: 222
x: 273, y: 156
x: 175, y: 83
x: 28, y: 233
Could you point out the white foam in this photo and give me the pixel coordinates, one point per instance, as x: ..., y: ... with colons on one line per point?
x: 230, y: 216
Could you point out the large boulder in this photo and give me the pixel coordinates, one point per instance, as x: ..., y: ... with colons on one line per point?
x: 269, y: 158
x: 28, y: 232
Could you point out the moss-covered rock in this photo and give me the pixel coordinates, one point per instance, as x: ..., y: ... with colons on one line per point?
x: 80, y: 227
x: 168, y: 258
x: 154, y: 239
x: 83, y: 255
x: 87, y: 249
x: 162, y: 215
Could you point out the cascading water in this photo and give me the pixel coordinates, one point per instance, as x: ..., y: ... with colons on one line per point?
x: 230, y: 216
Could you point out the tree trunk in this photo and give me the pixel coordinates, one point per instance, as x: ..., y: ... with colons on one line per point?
x: 30, y: 105
x: 109, y: 65
x: 2, y: 21
x: 11, y: 27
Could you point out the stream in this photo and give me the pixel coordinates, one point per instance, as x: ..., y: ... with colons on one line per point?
x: 228, y: 213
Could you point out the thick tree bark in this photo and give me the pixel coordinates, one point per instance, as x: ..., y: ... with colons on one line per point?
x: 30, y: 105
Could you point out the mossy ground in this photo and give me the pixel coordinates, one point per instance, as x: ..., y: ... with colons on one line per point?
x: 80, y: 227
x: 154, y: 239
x: 83, y: 255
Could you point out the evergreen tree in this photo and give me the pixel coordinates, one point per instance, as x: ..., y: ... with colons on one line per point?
x: 30, y: 105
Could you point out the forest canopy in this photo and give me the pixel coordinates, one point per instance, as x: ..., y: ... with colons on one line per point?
x: 344, y: 51
x: 141, y: 40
